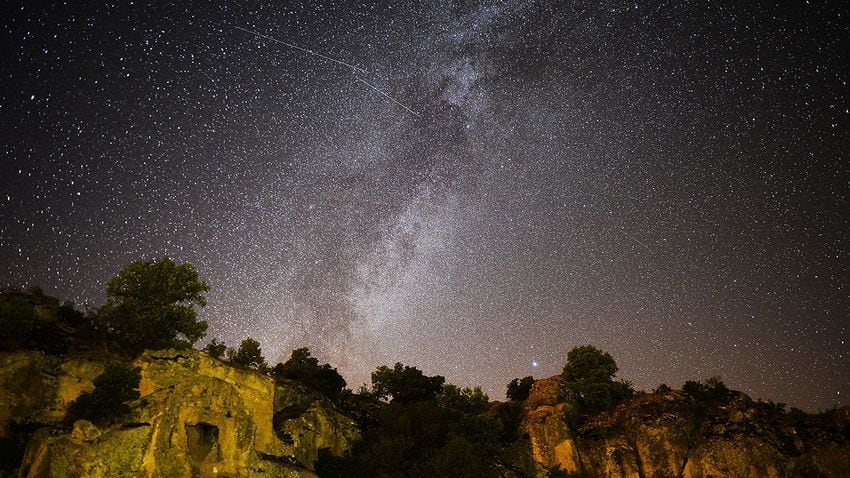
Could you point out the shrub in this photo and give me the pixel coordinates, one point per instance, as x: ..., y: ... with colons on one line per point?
x: 519, y: 389
x: 215, y: 349
x: 589, y: 379
x: 117, y: 385
x: 250, y: 355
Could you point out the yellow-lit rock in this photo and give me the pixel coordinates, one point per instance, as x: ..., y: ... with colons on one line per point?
x: 666, y: 434
x: 196, y: 416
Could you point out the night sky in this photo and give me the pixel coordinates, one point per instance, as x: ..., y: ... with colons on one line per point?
x: 470, y: 188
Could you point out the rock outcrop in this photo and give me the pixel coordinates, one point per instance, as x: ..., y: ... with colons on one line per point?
x: 196, y: 417
x: 671, y: 435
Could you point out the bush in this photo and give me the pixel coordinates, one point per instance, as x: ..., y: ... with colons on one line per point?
x: 519, y: 389
x: 215, y: 349
x: 663, y: 388
x: 250, y: 355
x: 589, y: 379
x: 305, y: 368
x: 712, y: 391
x: 405, y: 384
x: 466, y: 401
x: 118, y: 384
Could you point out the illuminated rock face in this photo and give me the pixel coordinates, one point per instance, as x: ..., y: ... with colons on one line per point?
x: 668, y: 435
x: 196, y: 417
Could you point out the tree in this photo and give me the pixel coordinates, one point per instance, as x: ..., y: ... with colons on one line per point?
x: 118, y: 384
x: 250, y: 355
x: 405, y: 384
x: 215, y: 349
x: 152, y: 305
x: 589, y: 379
x: 466, y: 401
x: 519, y: 389
x: 712, y: 391
x: 305, y: 368
x: 663, y: 388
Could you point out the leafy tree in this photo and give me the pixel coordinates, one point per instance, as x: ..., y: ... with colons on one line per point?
x: 663, y: 388
x: 118, y: 384
x: 405, y: 384
x: 519, y: 389
x: 250, y: 355
x: 466, y: 401
x: 152, y: 304
x: 712, y: 391
x: 215, y: 349
x: 305, y: 368
x: 589, y: 378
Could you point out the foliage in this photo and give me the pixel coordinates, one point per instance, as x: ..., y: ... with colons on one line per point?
x: 152, y: 304
x: 405, y: 384
x: 428, y: 429
x: 250, y: 355
x: 589, y: 379
x: 466, y: 401
x: 589, y: 364
x: 215, y: 349
x: 305, y: 368
x: 518, y: 389
x: 663, y: 388
x: 712, y: 391
x: 117, y: 385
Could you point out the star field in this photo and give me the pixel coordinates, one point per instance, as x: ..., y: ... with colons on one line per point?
x: 472, y: 188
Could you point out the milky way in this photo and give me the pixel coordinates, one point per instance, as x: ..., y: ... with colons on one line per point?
x: 470, y: 188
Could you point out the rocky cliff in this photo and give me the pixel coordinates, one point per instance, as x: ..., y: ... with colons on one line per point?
x: 671, y: 435
x: 196, y: 417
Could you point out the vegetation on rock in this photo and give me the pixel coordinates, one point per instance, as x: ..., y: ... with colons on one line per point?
x: 519, y: 388
x: 412, y: 425
x: 249, y: 355
x: 427, y: 429
x: 589, y: 379
x: 405, y: 384
x: 304, y: 368
x: 117, y: 385
x: 151, y: 304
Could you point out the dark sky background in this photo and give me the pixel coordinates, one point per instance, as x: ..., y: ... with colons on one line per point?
x: 470, y: 188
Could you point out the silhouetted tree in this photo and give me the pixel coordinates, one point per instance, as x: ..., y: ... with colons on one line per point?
x: 710, y: 392
x: 428, y: 429
x: 152, y: 305
x: 118, y: 384
x: 405, y: 384
x: 589, y: 379
x: 250, y: 355
x: 518, y: 389
x: 663, y: 388
x: 305, y: 368
x: 215, y: 349
x: 466, y: 401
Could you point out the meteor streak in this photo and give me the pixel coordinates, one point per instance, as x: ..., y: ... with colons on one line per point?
x: 290, y: 45
x: 340, y: 62
x: 386, y: 95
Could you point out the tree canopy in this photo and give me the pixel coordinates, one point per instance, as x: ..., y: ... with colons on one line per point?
x: 519, y: 389
x: 305, y: 368
x: 405, y: 384
x: 250, y: 355
x: 151, y: 304
x: 589, y: 378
